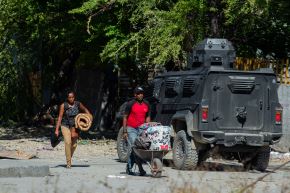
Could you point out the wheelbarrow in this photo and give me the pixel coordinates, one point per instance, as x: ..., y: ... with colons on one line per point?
x: 153, y: 158
x: 152, y: 145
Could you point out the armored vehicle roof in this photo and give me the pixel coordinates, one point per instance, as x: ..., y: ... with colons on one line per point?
x: 205, y: 71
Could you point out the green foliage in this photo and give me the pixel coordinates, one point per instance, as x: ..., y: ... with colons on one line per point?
x: 258, y: 25
x: 88, y: 6
x: 32, y: 35
x: 39, y: 36
x: 149, y: 32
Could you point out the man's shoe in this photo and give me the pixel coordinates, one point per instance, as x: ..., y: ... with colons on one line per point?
x: 142, y: 173
x: 129, y: 171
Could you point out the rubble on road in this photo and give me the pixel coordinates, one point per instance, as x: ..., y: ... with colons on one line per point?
x: 41, y: 148
x: 15, y: 154
x: 276, y: 156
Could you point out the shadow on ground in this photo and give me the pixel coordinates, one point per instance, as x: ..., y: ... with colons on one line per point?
x: 215, y: 166
x: 73, y: 166
x: 208, y: 166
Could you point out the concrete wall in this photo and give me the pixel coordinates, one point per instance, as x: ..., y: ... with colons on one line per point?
x: 284, y: 99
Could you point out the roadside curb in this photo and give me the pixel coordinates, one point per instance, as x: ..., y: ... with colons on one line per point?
x: 24, y: 171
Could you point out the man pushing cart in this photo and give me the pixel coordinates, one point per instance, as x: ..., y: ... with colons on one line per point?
x: 153, y: 140
x: 136, y: 113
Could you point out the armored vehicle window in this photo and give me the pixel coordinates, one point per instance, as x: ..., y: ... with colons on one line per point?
x: 172, y: 87
x: 196, y: 62
x: 216, y: 61
x: 189, y: 86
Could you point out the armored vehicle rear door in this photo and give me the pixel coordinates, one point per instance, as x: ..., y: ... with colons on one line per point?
x: 238, y: 101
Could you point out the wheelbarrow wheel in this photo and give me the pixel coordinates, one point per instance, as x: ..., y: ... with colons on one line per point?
x: 122, y: 146
x: 156, y: 168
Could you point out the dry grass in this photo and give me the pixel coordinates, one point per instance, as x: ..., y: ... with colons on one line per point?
x: 186, y: 188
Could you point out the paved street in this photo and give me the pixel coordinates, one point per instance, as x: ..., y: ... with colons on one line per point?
x: 106, y: 174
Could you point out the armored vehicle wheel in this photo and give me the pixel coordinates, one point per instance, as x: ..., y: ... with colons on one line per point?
x: 122, y: 146
x: 261, y: 160
x: 202, y: 156
x: 184, y: 157
x: 156, y: 168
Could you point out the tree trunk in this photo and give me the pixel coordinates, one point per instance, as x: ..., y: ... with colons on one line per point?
x: 214, y: 6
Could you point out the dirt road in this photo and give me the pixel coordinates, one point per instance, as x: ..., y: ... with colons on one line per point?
x: 97, y: 169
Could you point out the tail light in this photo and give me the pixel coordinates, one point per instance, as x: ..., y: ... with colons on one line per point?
x: 204, y: 114
x: 278, y: 116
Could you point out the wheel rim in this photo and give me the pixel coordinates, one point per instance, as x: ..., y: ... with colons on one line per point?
x: 157, y: 174
x: 156, y: 167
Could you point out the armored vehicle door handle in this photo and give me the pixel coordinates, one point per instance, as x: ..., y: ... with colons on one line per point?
x: 261, y: 105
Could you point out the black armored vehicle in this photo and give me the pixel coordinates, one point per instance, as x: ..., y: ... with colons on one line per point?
x: 216, y: 110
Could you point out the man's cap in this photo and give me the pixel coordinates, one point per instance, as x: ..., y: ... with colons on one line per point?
x: 138, y: 90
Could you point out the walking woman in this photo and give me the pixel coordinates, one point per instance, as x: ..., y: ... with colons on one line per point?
x: 66, y: 120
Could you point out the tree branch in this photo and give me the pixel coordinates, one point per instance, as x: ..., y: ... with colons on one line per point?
x: 104, y: 8
x: 251, y: 185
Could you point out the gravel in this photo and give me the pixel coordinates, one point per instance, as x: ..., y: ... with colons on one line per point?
x: 86, y: 150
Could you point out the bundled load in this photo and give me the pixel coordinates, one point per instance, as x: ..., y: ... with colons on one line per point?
x: 154, y: 136
x: 83, y: 121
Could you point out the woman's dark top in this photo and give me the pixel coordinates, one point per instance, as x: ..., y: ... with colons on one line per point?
x: 70, y: 112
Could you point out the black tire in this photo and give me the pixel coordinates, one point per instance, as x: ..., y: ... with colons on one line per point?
x: 157, y: 168
x: 202, y: 156
x: 261, y: 160
x: 122, y: 147
x: 247, y: 165
x: 184, y: 157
